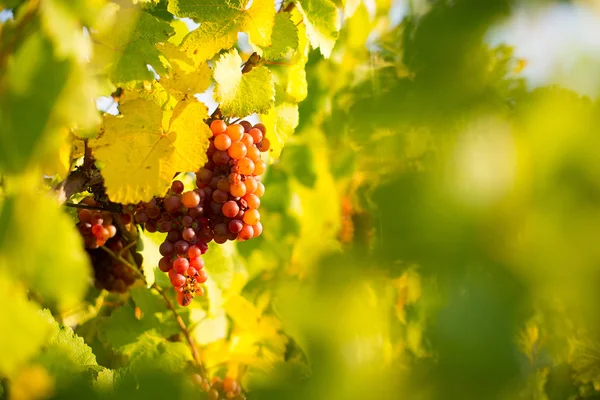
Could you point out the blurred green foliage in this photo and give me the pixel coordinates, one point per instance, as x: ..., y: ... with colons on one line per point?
x: 430, y: 233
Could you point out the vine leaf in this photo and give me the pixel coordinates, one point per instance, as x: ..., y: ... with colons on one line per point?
x: 322, y: 26
x: 129, y: 46
x: 65, y: 353
x: 23, y: 328
x: 220, y: 23
x: 242, y: 94
x: 144, y: 147
x: 183, y: 78
x: 284, y: 39
x: 281, y: 122
x: 55, y: 264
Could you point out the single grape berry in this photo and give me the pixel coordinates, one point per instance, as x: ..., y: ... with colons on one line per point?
x: 181, y: 246
x: 164, y: 264
x: 219, y: 196
x: 235, y: 132
x: 247, y: 125
x: 190, y: 199
x: 230, y: 209
x: 222, y: 142
x: 194, y: 252
x: 261, y: 127
x: 252, y: 200
x: 223, y: 184
x: 259, y: 167
x: 181, y: 265
x: 235, y: 225
x: 247, y: 140
x: 264, y: 145
x: 166, y: 249
x: 258, y: 228
x: 218, y: 126
x: 229, y: 384
x: 202, y: 277
x: 184, y: 299
x: 197, y: 263
x: 84, y: 215
x: 220, y: 157
x: 246, y: 166
x: 177, y: 187
x: 238, y: 189
x: 253, y: 153
x: 188, y: 234
x: 237, y: 150
x: 172, y: 203
x: 246, y: 233
x: 251, y: 217
x: 178, y: 279
x: 260, y: 189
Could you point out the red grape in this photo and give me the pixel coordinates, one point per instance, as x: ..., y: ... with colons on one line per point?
x: 181, y: 265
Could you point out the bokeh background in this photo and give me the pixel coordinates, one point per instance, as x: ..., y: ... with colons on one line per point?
x: 431, y: 230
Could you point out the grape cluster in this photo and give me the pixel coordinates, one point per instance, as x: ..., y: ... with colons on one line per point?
x: 218, y: 388
x: 95, y: 226
x: 181, y: 216
x: 230, y: 180
x: 111, y: 274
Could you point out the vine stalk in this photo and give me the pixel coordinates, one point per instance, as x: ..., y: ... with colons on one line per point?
x: 170, y: 306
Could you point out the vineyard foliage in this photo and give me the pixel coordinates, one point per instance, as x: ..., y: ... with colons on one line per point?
x: 429, y: 224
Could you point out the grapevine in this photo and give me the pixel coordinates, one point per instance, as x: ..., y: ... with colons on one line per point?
x: 223, y: 206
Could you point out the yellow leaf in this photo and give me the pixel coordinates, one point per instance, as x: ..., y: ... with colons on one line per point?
x: 259, y: 22
x: 297, y: 87
x: 183, y: 78
x: 281, y: 122
x: 242, y: 94
x: 141, y: 155
x: 57, y: 159
x: 181, y: 30
x: 32, y: 383
x: 243, y: 313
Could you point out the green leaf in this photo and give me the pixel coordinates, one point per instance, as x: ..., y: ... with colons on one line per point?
x: 33, y: 83
x: 151, y: 351
x: 61, y: 21
x: 220, y: 23
x: 207, y: 10
x: 281, y: 122
x: 221, y: 264
x: 130, y: 45
x: 322, y: 26
x: 149, y: 301
x: 285, y: 38
x: 105, y: 379
x: 65, y: 354
x: 23, y: 329
x: 206, y: 41
x: 54, y: 264
x: 242, y: 94
x: 122, y: 330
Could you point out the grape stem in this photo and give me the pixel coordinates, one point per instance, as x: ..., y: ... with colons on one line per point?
x: 184, y: 330
x: 289, y: 7
x: 169, y: 304
x: 119, y: 258
x: 129, y: 246
x: 85, y: 206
